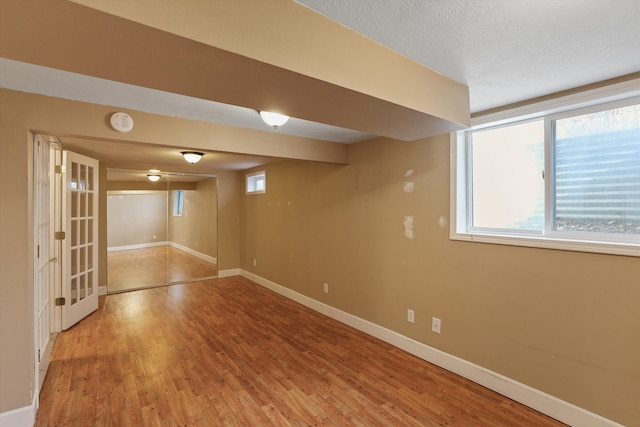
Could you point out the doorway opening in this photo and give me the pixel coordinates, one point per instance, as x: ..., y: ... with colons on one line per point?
x: 65, y: 221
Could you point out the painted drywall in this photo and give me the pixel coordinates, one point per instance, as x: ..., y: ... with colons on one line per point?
x: 149, y: 186
x: 196, y: 228
x: 135, y: 219
x: 103, y: 278
x: 562, y: 322
x: 230, y: 184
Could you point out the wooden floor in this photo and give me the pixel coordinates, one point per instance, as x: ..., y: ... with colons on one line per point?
x: 227, y: 352
x: 154, y: 266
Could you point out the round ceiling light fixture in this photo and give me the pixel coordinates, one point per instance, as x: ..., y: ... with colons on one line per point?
x: 153, y: 178
x: 192, y: 156
x: 274, y: 120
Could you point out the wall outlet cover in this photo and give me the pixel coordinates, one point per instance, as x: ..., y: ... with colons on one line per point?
x: 436, y: 325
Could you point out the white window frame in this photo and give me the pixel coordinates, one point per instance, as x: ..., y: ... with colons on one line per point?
x: 178, y: 202
x: 549, y: 110
x: 251, y: 182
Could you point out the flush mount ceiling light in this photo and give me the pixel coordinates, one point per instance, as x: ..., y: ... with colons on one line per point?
x: 153, y: 178
x: 192, y: 156
x: 273, y: 119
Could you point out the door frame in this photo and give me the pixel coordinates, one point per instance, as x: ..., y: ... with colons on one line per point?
x: 42, y: 357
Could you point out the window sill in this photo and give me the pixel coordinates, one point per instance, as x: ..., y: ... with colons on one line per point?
x: 556, y: 243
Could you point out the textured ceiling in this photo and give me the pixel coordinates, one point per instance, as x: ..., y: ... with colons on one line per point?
x: 505, y: 51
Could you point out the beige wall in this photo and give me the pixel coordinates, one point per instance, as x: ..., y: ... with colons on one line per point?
x: 148, y: 185
x: 230, y: 187
x: 197, y: 227
x: 562, y: 322
x: 134, y: 219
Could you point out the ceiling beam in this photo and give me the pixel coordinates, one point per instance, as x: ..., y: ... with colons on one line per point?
x: 273, y: 55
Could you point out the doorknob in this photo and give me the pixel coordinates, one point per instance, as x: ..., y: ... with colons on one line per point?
x: 54, y: 259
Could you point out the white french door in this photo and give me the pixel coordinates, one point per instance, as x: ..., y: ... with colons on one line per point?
x: 80, y: 244
x: 43, y: 268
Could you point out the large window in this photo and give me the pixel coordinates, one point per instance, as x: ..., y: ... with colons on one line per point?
x: 566, y: 179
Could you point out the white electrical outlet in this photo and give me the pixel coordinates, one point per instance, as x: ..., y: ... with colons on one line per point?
x: 435, y: 325
x: 326, y: 288
x: 410, y: 316
x: 255, y: 262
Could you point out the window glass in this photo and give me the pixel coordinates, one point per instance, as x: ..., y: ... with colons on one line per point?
x: 508, y: 184
x: 256, y: 182
x: 597, y: 171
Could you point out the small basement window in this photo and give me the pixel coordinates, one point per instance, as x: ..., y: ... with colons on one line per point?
x: 256, y: 182
x: 178, y: 202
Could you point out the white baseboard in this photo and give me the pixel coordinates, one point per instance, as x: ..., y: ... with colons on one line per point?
x: 195, y: 253
x: 230, y: 272
x: 540, y: 401
x: 102, y: 290
x: 21, y: 417
x: 45, y: 360
x: 138, y: 246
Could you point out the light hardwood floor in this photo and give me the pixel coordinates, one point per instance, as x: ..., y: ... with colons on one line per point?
x: 229, y: 352
x: 154, y: 266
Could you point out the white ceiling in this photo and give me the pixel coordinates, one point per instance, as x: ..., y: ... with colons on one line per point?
x: 504, y: 50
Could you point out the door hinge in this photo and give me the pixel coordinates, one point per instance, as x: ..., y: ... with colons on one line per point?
x: 60, y: 301
x: 60, y: 235
x: 61, y: 169
x: 38, y: 254
x: 39, y: 356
